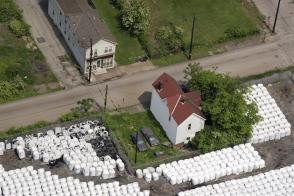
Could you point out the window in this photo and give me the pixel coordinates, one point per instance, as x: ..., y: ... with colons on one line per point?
x: 95, y: 52
x: 64, y: 31
x: 60, y: 13
x: 105, y: 50
x: 53, y: 12
x: 110, y: 49
x: 59, y: 23
x: 98, y: 63
x: 189, y: 126
x: 68, y: 38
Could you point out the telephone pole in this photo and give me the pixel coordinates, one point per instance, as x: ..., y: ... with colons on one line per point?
x: 105, y: 98
x: 91, y: 59
x: 276, y: 17
x: 136, y: 146
x: 192, y: 38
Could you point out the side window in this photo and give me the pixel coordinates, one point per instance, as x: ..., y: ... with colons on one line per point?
x: 110, y: 49
x: 189, y: 126
x: 106, y: 49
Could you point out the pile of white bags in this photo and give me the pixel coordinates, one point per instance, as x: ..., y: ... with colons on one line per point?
x: 71, y: 143
x: 210, y: 166
x: 2, y: 148
x: 274, y: 124
x: 272, y: 183
x: 29, y: 182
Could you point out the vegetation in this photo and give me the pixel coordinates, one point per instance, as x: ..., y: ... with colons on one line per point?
x: 123, y: 125
x: 216, y: 22
x: 128, y: 48
x: 84, y: 109
x: 229, y: 118
x: 13, y: 132
x: 135, y: 16
x: 9, y: 11
x: 22, y: 65
x: 19, y: 28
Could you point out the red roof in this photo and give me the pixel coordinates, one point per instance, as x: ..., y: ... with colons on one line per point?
x: 181, y: 105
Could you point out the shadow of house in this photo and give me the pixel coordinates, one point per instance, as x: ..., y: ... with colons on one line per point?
x: 145, y: 99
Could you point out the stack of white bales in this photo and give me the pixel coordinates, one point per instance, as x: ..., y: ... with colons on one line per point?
x: 78, y: 154
x: 274, y: 124
x: 2, y: 148
x: 272, y: 183
x: 30, y: 182
x: 210, y: 166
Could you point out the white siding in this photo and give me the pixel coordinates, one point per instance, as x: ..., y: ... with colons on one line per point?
x: 161, y: 113
x: 99, y: 48
x: 197, y: 123
x: 65, y: 27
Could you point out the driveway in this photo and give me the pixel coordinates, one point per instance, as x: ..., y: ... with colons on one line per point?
x: 52, y: 47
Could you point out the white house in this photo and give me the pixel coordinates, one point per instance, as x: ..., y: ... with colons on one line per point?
x: 78, y: 22
x: 178, y: 113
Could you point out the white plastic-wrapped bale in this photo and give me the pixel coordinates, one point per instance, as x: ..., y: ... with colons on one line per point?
x: 274, y: 124
x: 210, y: 166
x: 27, y: 181
x: 275, y: 182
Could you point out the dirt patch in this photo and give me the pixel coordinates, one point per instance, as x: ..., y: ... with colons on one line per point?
x: 42, y: 88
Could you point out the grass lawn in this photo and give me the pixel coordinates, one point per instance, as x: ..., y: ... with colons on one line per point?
x: 128, y: 47
x: 123, y: 125
x: 13, y: 52
x: 213, y: 18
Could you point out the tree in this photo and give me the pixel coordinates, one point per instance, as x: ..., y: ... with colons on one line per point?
x: 229, y: 118
x: 135, y: 16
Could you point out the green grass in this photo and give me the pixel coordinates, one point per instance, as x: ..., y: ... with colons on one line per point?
x: 213, y: 18
x: 123, y: 125
x: 13, y: 52
x: 128, y: 47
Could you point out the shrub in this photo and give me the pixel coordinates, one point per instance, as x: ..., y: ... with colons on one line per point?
x: 9, y: 11
x: 19, y: 28
x: 170, y: 38
x: 135, y: 16
x: 117, y: 3
x: 7, y: 91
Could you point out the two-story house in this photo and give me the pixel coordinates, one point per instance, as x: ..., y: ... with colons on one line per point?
x: 178, y: 113
x: 79, y: 23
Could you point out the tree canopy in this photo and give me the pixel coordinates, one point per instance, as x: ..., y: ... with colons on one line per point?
x: 229, y: 118
x: 135, y: 16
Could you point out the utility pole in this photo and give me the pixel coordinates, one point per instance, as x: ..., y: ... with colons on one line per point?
x: 276, y: 17
x: 192, y: 37
x: 105, y: 98
x: 136, y: 146
x: 91, y: 59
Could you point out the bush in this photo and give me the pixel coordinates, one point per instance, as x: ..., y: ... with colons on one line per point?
x: 117, y: 3
x: 170, y: 38
x: 7, y: 91
x: 74, y: 114
x: 135, y: 16
x: 236, y: 33
x: 19, y: 28
x: 9, y: 11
